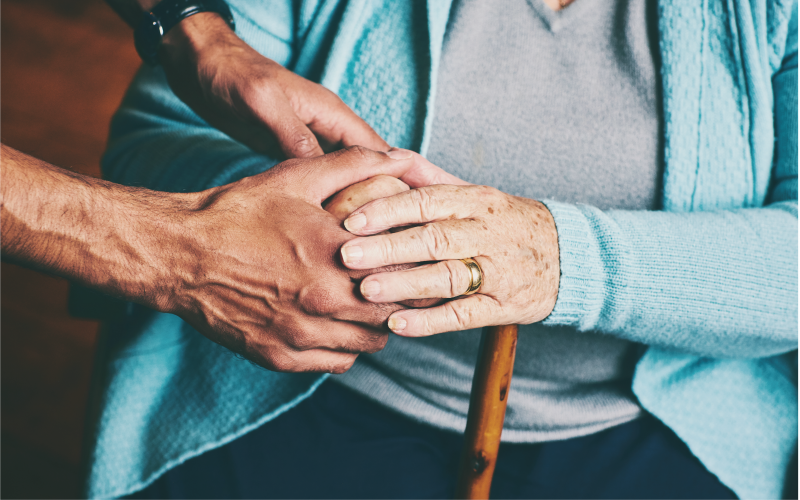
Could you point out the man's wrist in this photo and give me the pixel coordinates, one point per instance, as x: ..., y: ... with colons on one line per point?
x: 152, y: 243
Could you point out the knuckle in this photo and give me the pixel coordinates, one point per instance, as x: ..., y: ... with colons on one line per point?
x: 426, y: 202
x: 333, y: 99
x: 302, y: 143
x: 495, y: 278
x: 488, y: 193
x: 458, y: 316
x: 361, y: 153
x: 318, y: 301
x: 301, y: 341
x: 426, y: 325
x: 454, y: 276
x: 375, y: 343
x: 376, y: 315
x: 388, y: 250
x: 436, y: 240
x: 343, y: 367
x: 281, y: 360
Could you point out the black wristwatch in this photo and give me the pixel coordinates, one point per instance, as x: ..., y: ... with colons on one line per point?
x: 165, y: 16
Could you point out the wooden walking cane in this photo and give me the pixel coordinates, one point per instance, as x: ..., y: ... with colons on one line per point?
x: 487, y: 411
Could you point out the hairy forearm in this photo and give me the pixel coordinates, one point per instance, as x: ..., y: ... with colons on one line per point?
x: 118, y: 239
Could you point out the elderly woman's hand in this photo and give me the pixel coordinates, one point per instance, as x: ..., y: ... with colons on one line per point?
x: 513, y: 240
x: 380, y: 186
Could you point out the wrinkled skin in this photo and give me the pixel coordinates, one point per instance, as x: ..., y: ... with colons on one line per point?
x: 357, y: 195
x: 513, y: 239
x: 257, y: 269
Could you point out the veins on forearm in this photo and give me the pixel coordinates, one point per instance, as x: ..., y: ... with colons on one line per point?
x: 90, y: 230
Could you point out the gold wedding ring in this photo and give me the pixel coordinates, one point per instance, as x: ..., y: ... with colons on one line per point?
x: 475, y: 276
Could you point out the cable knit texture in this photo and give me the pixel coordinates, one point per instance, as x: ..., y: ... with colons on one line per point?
x: 710, y: 283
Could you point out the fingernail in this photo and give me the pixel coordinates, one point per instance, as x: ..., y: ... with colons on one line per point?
x: 397, y: 325
x: 351, y: 254
x: 370, y: 288
x: 399, y: 154
x: 355, y: 222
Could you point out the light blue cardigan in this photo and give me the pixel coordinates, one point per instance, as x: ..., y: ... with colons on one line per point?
x: 710, y: 283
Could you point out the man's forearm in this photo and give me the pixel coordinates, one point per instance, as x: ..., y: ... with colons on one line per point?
x: 107, y: 236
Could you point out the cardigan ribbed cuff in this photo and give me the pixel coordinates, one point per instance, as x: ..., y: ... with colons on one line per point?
x: 581, y: 284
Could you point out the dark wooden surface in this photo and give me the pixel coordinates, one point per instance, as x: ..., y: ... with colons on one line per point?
x: 64, y: 67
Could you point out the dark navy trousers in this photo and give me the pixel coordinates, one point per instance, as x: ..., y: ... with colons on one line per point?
x: 338, y: 444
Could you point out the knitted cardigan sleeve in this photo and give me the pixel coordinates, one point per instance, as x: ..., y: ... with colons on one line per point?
x: 719, y: 283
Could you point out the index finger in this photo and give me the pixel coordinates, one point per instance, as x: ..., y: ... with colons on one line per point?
x: 417, y: 206
x: 445, y: 240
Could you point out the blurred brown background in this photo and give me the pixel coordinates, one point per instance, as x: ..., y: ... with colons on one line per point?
x: 64, y: 66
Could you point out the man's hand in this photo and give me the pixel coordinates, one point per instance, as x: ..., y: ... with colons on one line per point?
x: 262, y: 275
x: 254, y: 99
x: 252, y: 265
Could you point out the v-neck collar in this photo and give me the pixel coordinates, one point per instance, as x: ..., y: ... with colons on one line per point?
x: 558, y: 20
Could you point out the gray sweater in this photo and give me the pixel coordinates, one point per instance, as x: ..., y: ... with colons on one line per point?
x: 544, y: 105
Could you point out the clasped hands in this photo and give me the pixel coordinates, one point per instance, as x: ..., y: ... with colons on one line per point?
x: 291, y: 286
x: 265, y: 271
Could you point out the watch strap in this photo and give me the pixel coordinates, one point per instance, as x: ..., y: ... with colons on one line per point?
x: 165, y: 16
